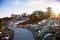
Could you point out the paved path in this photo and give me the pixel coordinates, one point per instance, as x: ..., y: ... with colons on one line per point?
x: 22, y: 34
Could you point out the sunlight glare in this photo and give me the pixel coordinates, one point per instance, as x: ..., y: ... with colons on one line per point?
x: 56, y: 11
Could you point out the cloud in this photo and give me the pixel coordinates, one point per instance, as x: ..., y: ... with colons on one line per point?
x: 28, y: 6
x: 32, y: 5
x: 43, y: 4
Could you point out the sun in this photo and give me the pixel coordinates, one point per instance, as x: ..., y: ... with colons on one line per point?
x: 56, y: 12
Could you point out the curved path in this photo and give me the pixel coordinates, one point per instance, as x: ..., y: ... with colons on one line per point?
x: 22, y: 34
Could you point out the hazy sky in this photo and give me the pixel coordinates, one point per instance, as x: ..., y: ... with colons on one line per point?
x: 8, y: 7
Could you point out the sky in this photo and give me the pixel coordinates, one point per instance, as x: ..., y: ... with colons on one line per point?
x: 8, y: 7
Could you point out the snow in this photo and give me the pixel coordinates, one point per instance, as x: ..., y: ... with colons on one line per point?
x: 21, y: 21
